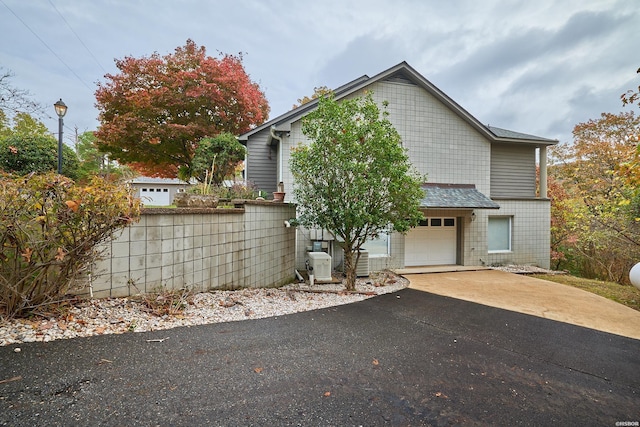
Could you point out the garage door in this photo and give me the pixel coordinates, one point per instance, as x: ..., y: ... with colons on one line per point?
x: 155, y: 196
x: 432, y: 243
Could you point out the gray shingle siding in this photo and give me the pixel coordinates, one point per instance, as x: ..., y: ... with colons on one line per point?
x: 513, y: 171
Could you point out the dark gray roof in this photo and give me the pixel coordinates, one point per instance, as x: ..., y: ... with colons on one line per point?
x: 505, y: 133
x: 455, y: 196
x: 164, y: 181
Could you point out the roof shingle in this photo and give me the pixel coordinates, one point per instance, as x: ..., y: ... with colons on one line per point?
x: 455, y: 196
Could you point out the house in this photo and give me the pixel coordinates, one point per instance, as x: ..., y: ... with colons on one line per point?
x: 482, y: 203
x: 157, y: 191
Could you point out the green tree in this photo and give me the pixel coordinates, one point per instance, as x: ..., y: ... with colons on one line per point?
x: 217, y: 158
x: 5, y: 127
x: 93, y: 162
x: 23, y: 155
x: 25, y: 125
x: 354, y: 178
x: 28, y: 146
x: 156, y: 110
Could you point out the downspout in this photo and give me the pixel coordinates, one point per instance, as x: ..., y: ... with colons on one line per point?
x: 279, y: 139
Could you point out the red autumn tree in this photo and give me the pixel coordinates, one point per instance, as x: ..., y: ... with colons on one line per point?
x: 156, y: 110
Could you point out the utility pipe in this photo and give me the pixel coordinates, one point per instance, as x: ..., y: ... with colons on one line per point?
x: 279, y: 139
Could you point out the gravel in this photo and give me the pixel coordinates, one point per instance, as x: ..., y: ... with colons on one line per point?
x: 151, y: 313
x: 526, y: 269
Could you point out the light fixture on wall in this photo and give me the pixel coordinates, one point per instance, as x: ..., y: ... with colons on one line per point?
x: 473, y: 216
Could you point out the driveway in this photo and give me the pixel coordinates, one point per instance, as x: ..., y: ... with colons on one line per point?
x: 409, y: 358
x: 533, y: 296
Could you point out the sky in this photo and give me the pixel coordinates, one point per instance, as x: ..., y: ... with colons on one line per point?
x: 537, y: 67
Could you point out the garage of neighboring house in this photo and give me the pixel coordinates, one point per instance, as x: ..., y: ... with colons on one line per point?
x: 437, y: 239
x: 155, y: 196
x: 157, y: 191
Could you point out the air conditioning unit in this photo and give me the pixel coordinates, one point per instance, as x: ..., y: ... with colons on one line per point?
x: 321, y: 264
x: 362, y: 269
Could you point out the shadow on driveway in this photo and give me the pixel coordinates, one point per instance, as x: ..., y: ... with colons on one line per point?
x: 409, y: 358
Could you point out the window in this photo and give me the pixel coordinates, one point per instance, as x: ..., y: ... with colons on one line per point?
x: 436, y: 222
x: 378, y: 247
x: 499, y: 236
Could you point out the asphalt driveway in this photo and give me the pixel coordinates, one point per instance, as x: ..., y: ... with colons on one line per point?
x: 410, y: 358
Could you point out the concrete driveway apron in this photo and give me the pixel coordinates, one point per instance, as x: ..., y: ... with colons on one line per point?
x: 532, y: 296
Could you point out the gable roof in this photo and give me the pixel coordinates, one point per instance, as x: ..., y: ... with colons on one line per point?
x: 401, y: 72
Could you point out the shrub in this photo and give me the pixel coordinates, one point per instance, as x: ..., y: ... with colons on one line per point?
x: 237, y: 190
x: 22, y: 155
x: 49, y: 229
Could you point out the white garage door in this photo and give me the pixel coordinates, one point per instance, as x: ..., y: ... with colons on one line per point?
x: 432, y: 243
x: 155, y: 196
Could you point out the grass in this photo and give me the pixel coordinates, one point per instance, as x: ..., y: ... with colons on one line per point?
x: 624, y: 294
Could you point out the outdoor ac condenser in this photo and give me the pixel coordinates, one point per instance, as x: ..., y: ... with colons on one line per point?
x: 321, y: 264
x: 362, y: 269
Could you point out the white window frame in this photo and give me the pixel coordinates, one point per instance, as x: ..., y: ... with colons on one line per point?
x: 510, y: 231
x: 379, y: 255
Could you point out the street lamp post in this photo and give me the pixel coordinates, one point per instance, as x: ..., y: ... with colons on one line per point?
x: 61, y: 110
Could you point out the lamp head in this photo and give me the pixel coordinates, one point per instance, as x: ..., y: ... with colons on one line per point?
x: 61, y: 108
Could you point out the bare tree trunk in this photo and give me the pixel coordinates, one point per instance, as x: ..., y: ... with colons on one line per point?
x: 350, y: 269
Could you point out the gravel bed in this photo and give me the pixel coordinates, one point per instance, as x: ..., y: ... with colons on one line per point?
x: 134, y: 314
x: 526, y: 269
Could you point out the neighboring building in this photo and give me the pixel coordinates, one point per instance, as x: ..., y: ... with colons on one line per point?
x: 157, y: 191
x: 482, y: 203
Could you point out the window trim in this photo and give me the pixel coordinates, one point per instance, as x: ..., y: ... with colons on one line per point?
x: 510, y: 222
x: 378, y: 255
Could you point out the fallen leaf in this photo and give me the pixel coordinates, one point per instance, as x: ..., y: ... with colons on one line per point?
x: 327, y: 393
x: 60, y: 254
x: 257, y: 370
x: 73, y: 205
x: 100, y: 329
x: 375, y: 362
x: 27, y: 254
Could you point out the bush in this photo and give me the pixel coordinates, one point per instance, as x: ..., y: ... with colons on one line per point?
x: 22, y: 155
x: 49, y: 229
x: 237, y: 190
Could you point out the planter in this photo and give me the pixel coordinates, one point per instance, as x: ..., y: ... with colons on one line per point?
x: 278, y: 196
x: 187, y: 200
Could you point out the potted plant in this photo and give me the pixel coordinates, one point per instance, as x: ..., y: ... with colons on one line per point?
x: 278, y: 196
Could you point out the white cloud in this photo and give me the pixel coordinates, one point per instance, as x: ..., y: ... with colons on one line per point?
x: 534, y: 67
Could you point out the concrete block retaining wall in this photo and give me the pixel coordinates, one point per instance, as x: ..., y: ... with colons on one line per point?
x: 245, y: 246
